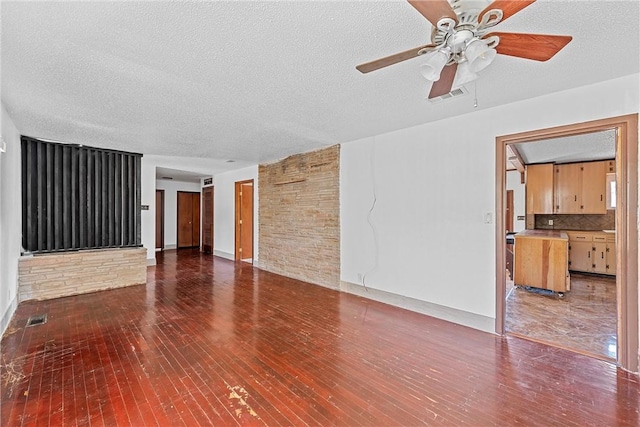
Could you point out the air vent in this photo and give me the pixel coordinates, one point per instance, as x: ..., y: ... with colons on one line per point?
x: 38, y: 319
x: 460, y: 91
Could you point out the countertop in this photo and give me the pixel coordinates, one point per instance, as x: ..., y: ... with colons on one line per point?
x: 542, y: 234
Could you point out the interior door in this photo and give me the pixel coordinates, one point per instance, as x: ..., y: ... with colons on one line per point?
x: 244, y: 220
x: 188, y: 219
x: 207, y: 220
x: 159, y: 219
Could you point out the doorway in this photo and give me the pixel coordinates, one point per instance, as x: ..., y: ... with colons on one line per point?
x: 244, y: 221
x: 188, y: 219
x: 626, y: 282
x: 207, y: 220
x: 159, y: 219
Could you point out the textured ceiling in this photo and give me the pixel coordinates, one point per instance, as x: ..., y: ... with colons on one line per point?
x: 585, y: 147
x: 257, y: 81
x: 179, y: 175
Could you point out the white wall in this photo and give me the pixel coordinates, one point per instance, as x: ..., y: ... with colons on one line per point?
x: 224, y: 211
x: 10, y: 219
x: 148, y: 217
x: 171, y: 189
x: 434, y: 184
x: 514, y: 183
x: 206, y: 167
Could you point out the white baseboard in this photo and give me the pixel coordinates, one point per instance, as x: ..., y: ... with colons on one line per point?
x: 472, y: 320
x: 223, y: 254
x: 151, y: 262
x: 170, y: 247
x: 8, y: 315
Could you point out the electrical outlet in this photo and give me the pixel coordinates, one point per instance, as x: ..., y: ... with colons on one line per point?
x: 488, y: 218
x: 550, y: 222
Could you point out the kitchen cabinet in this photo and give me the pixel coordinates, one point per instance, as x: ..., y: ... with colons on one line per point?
x: 568, y: 185
x: 541, y: 260
x: 592, y: 252
x: 612, y: 259
x: 539, y: 189
x: 611, y: 166
x: 594, y: 188
x: 580, y: 188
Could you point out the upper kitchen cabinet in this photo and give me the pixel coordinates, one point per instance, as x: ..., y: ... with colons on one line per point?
x: 580, y: 188
x: 568, y: 188
x: 539, y: 189
x: 594, y: 188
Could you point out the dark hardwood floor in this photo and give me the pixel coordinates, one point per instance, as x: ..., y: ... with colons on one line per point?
x: 211, y: 342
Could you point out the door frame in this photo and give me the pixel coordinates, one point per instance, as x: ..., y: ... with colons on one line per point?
x: 203, y: 208
x: 161, y: 208
x: 626, y: 222
x: 238, y: 208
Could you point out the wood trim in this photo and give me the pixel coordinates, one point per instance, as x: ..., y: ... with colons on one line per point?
x: 160, y: 209
x: 626, y: 222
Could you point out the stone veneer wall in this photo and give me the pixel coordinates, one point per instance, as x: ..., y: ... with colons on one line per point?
x: 299, y: 217
x: 61, y: 274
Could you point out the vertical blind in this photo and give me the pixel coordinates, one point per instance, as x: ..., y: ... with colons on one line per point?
x: 78, y: 197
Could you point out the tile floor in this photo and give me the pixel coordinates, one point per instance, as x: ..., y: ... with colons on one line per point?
x: 583, y: 320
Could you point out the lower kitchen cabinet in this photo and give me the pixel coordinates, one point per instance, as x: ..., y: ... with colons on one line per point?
x: 592, y: 252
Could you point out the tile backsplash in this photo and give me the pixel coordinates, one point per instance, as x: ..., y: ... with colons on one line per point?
x: 577, y: 222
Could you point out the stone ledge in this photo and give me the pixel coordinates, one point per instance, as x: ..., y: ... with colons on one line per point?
x: 70, y: 273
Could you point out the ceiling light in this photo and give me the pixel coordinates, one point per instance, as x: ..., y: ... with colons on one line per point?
x: 479, y: 55
x: 464, y: 75
x: 434, y: 65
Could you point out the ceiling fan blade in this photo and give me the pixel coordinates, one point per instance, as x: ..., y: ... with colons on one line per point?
x: 508, y: 7
x: 434, y: 10
x: 443, y: 85
x: 392, y: 59
x: 539, y: 47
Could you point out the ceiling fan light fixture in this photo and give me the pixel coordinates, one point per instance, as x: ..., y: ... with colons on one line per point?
x: 463, y: 75
x: 435, y: 63
x: 479, y: 55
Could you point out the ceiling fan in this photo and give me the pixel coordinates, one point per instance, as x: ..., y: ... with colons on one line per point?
x: 461, y: 44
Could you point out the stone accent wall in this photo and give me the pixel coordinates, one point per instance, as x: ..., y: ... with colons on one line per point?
x: 300, y: 217
x: 70, y: 273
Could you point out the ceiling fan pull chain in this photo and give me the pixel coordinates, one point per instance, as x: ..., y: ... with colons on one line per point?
x: 475, y: 94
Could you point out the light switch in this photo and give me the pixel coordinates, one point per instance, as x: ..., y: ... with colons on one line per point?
x: 488, y: 218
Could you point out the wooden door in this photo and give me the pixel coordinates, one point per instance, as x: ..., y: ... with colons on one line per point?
x: 599, y: 257
x: 568, y: 188
x: 244, y: 220
x: 580, y: 256
x: 611, y: 258
x: 188, y: 219
x: 207, y: 220
x: 159, y: 219
x: 539, y: 189
x: 509, y: 211
x: 594, y: 188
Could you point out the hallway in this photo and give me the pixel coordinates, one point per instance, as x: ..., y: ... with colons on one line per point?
x: 211, y: 342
